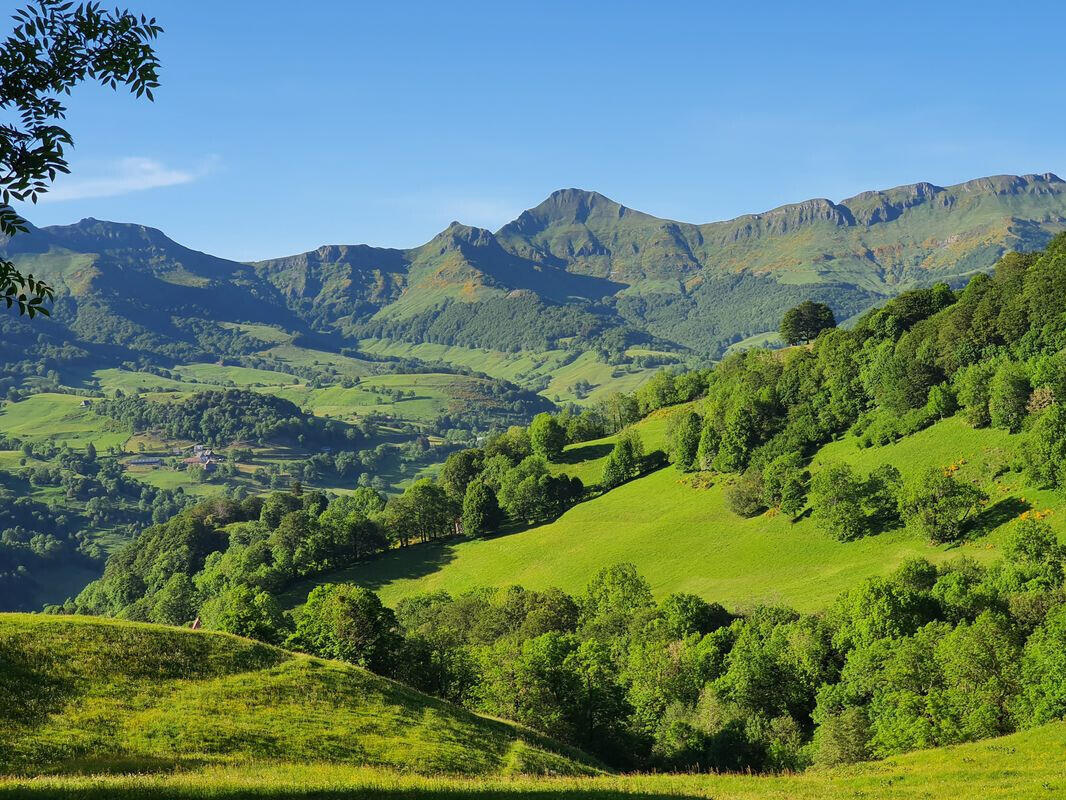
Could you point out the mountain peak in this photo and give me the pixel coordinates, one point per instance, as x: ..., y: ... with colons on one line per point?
x: 566, y: 207
x: 577, y: 204
x: 458, y: 233
x: 89, y: 232
x: 1014, y: 184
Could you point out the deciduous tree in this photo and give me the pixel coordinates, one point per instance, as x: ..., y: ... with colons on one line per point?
x: 55, y: 46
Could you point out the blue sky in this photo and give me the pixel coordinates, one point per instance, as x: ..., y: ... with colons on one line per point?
x: 280, y: 126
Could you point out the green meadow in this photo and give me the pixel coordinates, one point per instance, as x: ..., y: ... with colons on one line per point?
x: 298, y: 356
x: 61, y: 418
x: 560, y: 368
x: 96, y: 709
x: 682, y: 536
x: 1024, y: 766
x: 425, y: 397
x: 75, y: 688
x: 239, y: 376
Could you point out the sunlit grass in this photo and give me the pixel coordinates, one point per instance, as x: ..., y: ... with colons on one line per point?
x: 1025, y: 766
x: 78, y: 689
x: 683, y: 537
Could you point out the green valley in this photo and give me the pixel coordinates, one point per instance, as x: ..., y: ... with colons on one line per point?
x: 734, y: 567
x: 309, y: 494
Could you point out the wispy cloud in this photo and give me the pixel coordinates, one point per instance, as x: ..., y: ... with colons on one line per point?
x: 122, y: 176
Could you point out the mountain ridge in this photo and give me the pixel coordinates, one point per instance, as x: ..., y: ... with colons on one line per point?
x: 691, y: 286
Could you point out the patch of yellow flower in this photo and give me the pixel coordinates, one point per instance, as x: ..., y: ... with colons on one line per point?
x: 952, y: 468
x: 1037, y: 515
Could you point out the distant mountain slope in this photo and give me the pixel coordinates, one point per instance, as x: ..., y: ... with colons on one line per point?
x: 875, y: 240
x: 93, y: 691
x: 703, y: 286
x: 132, y: 287
x: 579, y: 270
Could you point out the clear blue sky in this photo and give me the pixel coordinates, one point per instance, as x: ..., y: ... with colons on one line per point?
x: 283, y: 126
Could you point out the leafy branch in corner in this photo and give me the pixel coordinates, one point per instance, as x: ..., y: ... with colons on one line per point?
x: 54, y: 46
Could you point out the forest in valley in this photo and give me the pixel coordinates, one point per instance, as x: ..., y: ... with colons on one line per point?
x: 930, y: 654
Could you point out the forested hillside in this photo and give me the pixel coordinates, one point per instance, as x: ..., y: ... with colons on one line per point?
x: 929, y: 432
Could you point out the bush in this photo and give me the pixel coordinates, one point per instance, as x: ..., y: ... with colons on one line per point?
x: 745, y: 495
x: 626, y: 460
x: 1008, y: 396
x: 685, y: 441
x: 836, y: 497
x: 937, y: 505
x: 842, y: 739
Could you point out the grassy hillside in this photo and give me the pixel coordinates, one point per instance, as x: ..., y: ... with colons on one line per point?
x: 80, y: 694
x: 683, y: 537
x: 60, y: 417
x: 557, y: 371
x: 1025, y: 766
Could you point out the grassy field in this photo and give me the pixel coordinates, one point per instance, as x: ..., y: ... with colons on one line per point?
x: 61, y: 418
x: 77, y: 691
x: 94, y: 708
x: 265, y: 333
x: 433, y: 394
x: 308, y: 357
x: 239, y: 376
x: 1025, y: 766
x: 684, y: 538
x: 768, y: 339
x: 560, y: 367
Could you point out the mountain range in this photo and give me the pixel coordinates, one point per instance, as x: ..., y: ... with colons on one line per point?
x: 579, y: 270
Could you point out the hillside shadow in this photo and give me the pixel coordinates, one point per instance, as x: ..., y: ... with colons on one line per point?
x: 1000, y: 513
x: 29, y: 691
x: 588, y: 452
x: 405, y: 563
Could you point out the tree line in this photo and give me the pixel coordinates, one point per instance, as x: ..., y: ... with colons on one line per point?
x: 927, y: 656
x: 226, y: 416
x: 994, y: 353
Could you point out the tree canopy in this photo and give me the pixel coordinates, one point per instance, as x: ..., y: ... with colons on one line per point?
x: 804, y: 322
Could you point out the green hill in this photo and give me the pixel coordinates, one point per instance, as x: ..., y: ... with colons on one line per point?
x: 682, y: 536
x: 82, y: 694
x: 1024, y: 766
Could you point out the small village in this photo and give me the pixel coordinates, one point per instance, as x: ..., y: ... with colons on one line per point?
x: 200, y: 457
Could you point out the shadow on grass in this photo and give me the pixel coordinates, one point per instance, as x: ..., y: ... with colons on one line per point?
x: 879, y: 523
x: 995, y: 515
x: 405, y: 563
x: 29, y: 693
x: 588, y: 452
